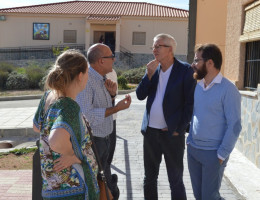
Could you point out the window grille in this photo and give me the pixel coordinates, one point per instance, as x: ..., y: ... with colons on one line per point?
x: 252, y: 65
x: 139, y: 38
x: 70, y: 36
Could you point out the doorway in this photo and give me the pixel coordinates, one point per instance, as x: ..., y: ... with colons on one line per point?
x: 106, y: 37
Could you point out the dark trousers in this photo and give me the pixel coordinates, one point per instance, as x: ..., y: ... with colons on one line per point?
x: 156, y: 143
x: 112, y: 138
x: 102, y: 145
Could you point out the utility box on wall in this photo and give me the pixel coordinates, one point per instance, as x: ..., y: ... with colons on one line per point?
x: 2, y: 18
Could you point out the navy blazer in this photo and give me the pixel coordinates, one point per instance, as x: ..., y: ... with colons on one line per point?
x: 178, y: 98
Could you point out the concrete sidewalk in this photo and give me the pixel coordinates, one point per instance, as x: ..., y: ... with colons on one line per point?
x: 127, y: 163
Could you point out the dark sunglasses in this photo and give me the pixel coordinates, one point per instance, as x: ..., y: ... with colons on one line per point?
x: 112, y: 56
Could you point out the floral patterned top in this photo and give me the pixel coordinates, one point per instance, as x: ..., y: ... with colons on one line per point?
x: 66, y: 184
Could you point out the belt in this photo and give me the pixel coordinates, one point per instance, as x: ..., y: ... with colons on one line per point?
x: 156, y: 129
x: 107, y: 137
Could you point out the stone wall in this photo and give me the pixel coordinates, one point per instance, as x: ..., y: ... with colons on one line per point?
x: 22, y: 58
x: 249, y: 139
x: 24, y: 63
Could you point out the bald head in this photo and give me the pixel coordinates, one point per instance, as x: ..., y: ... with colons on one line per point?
x: 95, y: 52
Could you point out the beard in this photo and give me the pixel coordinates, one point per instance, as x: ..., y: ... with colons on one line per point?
x: 200, y: 73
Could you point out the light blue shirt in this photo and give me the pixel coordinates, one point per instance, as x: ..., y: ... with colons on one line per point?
x: 93, y: 101
x: 216, y: 120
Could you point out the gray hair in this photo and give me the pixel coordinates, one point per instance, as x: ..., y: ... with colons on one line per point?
x: 94, y: 53
x: 168, y: 39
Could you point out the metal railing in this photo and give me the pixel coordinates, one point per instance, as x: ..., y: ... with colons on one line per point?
x: 126, y: 52
x: 35, y: 52
x: 252, y: 65
x: 126, y: 55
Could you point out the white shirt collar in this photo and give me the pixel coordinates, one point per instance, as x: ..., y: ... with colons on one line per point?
x: 217, y: 79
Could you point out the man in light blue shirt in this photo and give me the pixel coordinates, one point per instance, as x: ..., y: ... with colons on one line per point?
x: 96, y: 104
x: 215, y: 125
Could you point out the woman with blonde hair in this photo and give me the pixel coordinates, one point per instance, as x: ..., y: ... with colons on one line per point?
x: 68, y: 164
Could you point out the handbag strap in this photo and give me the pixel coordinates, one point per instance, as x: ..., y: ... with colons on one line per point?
x: 97, y: 156
x: 93, y: 143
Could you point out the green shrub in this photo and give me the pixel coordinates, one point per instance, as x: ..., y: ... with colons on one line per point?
x: 17, y: 81
x: 3, y: 78
x: 42, y: 83
x: 23, y: 151
x: 122, y: 83
x: 119, y: 72
x: 35, y: 75
x: 134, y: 75
x: 20, y: 70
x: 59, y: 50
x: 7, y: 67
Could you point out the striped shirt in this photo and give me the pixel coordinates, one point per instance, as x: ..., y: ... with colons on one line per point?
x: 93, y: 101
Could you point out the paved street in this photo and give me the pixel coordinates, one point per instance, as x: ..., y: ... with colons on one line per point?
x: 128, y: 159
x: 127, y: 163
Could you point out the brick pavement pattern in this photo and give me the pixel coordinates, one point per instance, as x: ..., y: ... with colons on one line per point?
x: 15, y: 184
x: 128, y: 160
x: 127, y: 163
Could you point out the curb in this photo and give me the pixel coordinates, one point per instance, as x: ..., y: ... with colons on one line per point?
x: 29, y: 97
x: 15, y: 98
x: 13, y: 132
x: 27, y: 131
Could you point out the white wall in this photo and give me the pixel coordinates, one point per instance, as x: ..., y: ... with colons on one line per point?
x: 178, y: 29
x: 17, y: 31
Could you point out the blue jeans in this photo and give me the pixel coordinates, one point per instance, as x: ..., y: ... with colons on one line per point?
x: 206, y: 173
x: 156, y: 143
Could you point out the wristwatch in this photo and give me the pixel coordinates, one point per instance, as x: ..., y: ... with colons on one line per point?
x: 113, y: 96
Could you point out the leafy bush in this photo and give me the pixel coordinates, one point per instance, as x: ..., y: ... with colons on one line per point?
x: 35, y: 75
x: 17, y: 81
x: 23, y: 151
x: 42, y: 83
x: 59, y: 50
x: 119, y: 72
x: 7, y: 67
x: 21, y: 70
x: 134, y: 75
x: 3, y: 78
x: 122, y: 83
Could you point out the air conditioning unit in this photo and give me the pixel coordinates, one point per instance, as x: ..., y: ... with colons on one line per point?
x: 2, y: 18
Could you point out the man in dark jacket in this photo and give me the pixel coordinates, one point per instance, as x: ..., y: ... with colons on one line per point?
x: 169, y: 86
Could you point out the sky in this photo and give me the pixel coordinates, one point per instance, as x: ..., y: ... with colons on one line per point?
x: 183, y: 4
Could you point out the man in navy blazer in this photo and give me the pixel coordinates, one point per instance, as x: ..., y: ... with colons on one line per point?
x: 169, y: 86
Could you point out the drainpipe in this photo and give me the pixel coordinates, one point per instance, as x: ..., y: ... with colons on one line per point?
x: 117, y: 49
x: 192, y: 30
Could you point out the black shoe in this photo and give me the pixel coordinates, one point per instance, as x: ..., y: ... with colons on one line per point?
x: 114, y: 178
x: 116, y: 194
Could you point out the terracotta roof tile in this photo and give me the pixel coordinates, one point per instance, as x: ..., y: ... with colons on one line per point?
x: 103, y: 18
x: 101, y: 8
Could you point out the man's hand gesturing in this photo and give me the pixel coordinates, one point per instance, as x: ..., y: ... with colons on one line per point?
x: 124, y: 103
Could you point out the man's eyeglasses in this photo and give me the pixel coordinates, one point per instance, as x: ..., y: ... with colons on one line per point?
x: 112, y: 56
x: 159, y: 46
x: 195, y: 61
